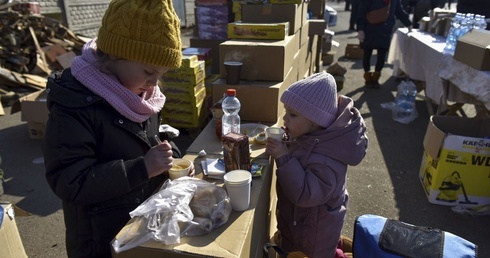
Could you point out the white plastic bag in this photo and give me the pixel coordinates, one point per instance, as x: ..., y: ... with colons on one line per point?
x: 183, y: 207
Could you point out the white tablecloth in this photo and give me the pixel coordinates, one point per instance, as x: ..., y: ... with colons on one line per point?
x: 469, y: 80
x: 421, y: 56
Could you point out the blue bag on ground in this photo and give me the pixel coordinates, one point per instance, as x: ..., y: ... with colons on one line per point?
x: 376, y: 236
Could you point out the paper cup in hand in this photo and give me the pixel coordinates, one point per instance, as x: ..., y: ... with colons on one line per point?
x: 238, y: 183
x: 180, y: 168
x: 275, y: 133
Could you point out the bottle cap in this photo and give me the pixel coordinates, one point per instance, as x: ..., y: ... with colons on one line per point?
x: 231, y: 92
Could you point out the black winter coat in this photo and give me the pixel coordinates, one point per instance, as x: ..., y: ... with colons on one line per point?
x: 379, y: 35
x: 94, y: 164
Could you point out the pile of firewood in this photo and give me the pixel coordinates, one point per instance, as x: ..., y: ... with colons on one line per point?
x: 32, y: 46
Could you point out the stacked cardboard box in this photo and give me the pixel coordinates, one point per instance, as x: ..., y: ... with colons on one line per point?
x: 185, y: 91
x: 269, y: 65
x: 202, y: 53
x: 212, y: 18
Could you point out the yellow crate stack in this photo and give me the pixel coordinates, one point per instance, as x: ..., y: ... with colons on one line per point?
x: 186, y: 93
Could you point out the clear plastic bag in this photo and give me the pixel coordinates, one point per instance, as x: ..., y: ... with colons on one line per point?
x: 182, y: 207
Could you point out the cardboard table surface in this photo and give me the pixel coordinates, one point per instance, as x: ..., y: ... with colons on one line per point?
x: 243, y: 235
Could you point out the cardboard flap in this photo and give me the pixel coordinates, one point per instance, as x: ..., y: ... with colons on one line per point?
x: 441, y: 126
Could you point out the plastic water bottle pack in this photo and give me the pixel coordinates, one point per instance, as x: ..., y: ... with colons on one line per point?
x: 403, y: 108
x: 460, y: 25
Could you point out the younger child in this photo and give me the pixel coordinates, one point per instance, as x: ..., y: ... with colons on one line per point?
x: 101, y: 151
x: 326, y: 134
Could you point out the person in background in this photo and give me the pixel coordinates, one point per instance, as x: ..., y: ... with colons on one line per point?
x: 377, y: 36
x: 347, y: 5
x: 353, y: 14
x: 326, y: 134
x: 102, y: 153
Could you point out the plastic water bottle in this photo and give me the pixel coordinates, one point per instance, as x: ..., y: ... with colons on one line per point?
x: 453, y: 33
x: 480, y: 22
x: 466, y: 24
x: 231, y: 106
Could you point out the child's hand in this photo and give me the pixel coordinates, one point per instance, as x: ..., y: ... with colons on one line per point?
x: 159, y: 159
x: 276, y: 148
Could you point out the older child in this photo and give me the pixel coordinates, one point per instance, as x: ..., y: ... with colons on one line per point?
x: 326, y: 134
x: 101, y: 155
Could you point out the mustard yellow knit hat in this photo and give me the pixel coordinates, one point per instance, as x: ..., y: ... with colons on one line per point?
x: 145, y: 31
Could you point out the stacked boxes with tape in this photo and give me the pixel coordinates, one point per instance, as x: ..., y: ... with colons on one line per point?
x: 185, y: 91
x: 271, y: 41
x: 212, y: 18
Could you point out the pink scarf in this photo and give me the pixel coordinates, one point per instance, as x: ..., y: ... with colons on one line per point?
x: 127, y: 103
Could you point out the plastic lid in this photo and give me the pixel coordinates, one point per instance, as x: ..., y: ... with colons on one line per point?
x: 238, y: 177
x: 231, y: 92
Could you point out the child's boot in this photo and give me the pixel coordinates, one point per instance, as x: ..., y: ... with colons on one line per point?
x: 346, y: 244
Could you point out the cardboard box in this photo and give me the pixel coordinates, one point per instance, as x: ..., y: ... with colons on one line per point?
x: 295, y: 14
x: 473, y: 49
x: 243, y: 30
x: 316, y: 9
x: 10, y: 241
x: 260, y: 100
x: 435, y: 17
x: 339, y: 80
x: 187, y: 75
x: 317, y: 27
x: 34, y: 112
x: 354, y: 51
x: 214, y: 45
x: 268, y: 61
x: 213, y: 31
x: 455, y: 168
x: 443, y: 26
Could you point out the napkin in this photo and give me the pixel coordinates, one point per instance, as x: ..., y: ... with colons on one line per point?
x: 213, y: 168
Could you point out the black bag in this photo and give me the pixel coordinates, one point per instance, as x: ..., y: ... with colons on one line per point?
x: 376, y: 236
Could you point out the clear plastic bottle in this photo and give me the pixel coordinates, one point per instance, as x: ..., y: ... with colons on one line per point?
x: 231, y: 107
x: 466, y: 24
x: 480, y: 22
x: 453, y: 33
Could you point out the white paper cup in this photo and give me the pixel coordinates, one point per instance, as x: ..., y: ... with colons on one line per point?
x: 180, y: 168
x: 238, y: 183
x: 275, y: 133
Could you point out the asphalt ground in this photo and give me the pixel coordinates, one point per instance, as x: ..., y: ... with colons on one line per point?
x: 385, y: 183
